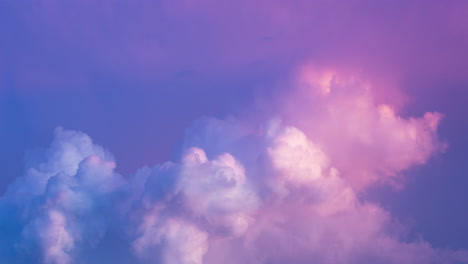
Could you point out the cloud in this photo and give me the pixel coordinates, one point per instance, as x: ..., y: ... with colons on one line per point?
x: 61, y: 203
x: 342, y: 113
x: 49, y: 233
x: 241, y: 192
x: 181, y: 243
x: 289, y: 205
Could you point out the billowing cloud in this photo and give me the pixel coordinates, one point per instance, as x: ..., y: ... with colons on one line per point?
x: 257, y: 194
x: 284, y: 191
x: 60, y: 204
x: 287, y: 190
x: 348, y: 117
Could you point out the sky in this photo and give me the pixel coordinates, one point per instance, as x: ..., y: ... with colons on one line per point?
x: 190, y: 132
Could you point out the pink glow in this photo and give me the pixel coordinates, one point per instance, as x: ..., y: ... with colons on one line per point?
x: 339, y: 111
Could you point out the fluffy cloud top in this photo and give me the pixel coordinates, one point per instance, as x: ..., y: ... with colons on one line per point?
x: 201, y: 210
x: 366, y: 138
x: 240, y: 193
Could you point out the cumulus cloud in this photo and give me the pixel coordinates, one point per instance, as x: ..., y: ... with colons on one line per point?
x: 205, y: 210
x: 61, y: 202
x: 279, y: 192
x: 341, y: 112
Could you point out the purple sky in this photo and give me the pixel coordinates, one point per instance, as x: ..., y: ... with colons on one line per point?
x: 136, y: 76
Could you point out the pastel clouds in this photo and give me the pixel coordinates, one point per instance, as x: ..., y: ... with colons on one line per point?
x: 215, y: 211
x: 60, y: 203
x: 217, y: 189
x: 299, y: 159
x: 340, y: 112
x: 181, y: 243
x: 53, y: 239
x: 279, y: 192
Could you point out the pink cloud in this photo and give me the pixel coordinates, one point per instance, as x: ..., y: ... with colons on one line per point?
x: 367, y: 139
x: 291, y: 204
x: 280, y: 192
